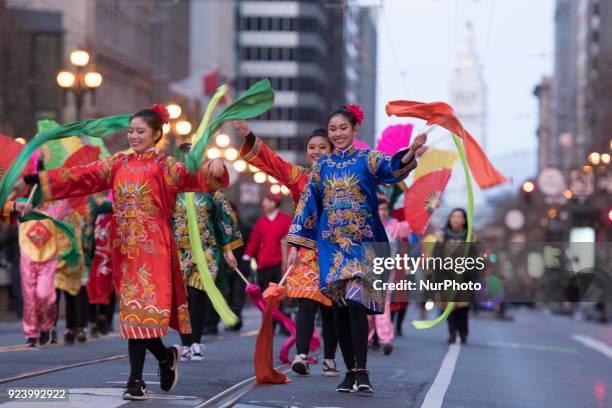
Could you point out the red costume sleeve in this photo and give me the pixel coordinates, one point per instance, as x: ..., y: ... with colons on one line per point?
x: 67, y: 182
x: 182, y: 180
x: 257, y: 153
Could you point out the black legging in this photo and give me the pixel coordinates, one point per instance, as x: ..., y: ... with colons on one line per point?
x: 400, y: 314
x: 72, y: 312
x: 267, y: 275
x: 458, y: 322
x: 137, y: 350
x: 84, y: 308
x: 307, y: 310
x: 351, y: 323
x: 199, y: 310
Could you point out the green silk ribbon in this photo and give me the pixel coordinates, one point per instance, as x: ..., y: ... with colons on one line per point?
x: 216, y: 297
x: 428, y: 324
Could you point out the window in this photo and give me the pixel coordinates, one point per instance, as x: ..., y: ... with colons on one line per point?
x: 301, y: 24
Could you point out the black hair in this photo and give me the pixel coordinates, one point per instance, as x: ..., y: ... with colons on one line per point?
x: 185, y: 147
x: 462, y: 211
x: 152, y: 118
x: 346, y: 113
x: 319, y: 132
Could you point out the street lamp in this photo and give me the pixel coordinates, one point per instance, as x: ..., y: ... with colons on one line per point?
x: 174, y: 110
x: 594, y: 158
x: 260, y: 177
x: 182, y: 127
x: 213, y: 153
x: 80, y: 82
x: 240, y: 165
x: 222, y: 140
x: 231, y: 154
x: 79, y: 58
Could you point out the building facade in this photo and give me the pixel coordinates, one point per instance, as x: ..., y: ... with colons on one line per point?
x: 140, y: 48
x: 289, y: 43
x: 32, y: 56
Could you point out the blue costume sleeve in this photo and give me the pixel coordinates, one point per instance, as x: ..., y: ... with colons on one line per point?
x: 389, y: 169
x: 303, y: 230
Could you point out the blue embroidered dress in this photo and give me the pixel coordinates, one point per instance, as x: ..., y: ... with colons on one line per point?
x: 338, y: 211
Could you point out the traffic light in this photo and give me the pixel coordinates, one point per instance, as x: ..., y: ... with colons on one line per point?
x: 527, y: 190
x: 610, y: 215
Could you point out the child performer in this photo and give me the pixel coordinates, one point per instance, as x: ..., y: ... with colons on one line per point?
x: 336, y: 214
x: 303, y: 281
x: 38, y: 243
x: 144, y: 257
x: 218, y: 226
x: 381, y: 325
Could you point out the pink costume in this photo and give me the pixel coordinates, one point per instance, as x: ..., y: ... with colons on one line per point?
x: 37, y: 241
x: 381, y: 324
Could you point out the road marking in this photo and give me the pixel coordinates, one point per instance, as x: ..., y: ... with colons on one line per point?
x: 249, y: 333
x: 539, y: 347
x: 230, y: 396
x: 594, y: 344
x: 24, y: 347
x: 436, y: 392
x: 46, y: 371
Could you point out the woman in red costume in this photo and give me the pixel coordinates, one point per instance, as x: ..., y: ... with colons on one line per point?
x: 145, y: 264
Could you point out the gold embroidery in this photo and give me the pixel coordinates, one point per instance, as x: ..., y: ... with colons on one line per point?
x: 134, y: 210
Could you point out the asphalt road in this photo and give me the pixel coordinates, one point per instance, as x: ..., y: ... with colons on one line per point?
x: 537, y: 360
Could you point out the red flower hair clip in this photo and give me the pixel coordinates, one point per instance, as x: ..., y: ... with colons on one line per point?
x: 356, y: 110
x: 162, y: 111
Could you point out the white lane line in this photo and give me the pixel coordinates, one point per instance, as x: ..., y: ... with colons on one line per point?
x: 594, y: 344
x: 436, y: 392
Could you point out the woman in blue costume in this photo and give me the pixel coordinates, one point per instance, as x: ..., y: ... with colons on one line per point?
x: 337, y: 213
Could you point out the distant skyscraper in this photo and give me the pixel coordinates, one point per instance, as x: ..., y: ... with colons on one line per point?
x: 468, y: 90
x: 291, y: 43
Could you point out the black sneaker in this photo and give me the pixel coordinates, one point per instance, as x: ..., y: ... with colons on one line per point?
x: 300, y: 364
x: 45, y: 338
x: 329, y: 368
x: 93, y: 331
x: 69, y: 338
x: 31, y: 341
x: 168, y: 371
x: 135, y: 390
x: 53, y: 336
x: 362, y: 382
x: 387, y: 348
x: 375, y: 343
x: 102, y: 326
x: 347, y: 384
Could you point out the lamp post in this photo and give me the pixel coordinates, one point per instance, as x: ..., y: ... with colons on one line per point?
x: 80, y: 82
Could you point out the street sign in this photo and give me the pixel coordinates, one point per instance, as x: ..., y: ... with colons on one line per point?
x: 514, y: 219
x: 249, y: 193
x: 551, y: 181
x: 582, y: 184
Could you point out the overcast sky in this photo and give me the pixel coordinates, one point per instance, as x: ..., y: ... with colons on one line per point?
x: 418, y: 42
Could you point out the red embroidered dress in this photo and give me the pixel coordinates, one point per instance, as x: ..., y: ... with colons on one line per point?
x: 303, y: 281
x: 145, y: 264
